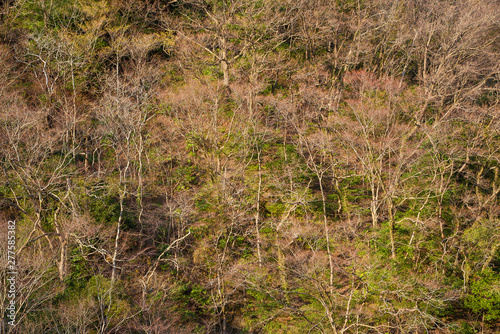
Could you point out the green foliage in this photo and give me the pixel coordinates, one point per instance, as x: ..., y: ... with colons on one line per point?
x: 36, y: 16
x: 79, y: 272
x: 199, y: 232
x: 466, y: 328
x: 484, y: 295
x: 186, y: 176
x: 202, y: 204
x: 100, y: 288
x: 276, y: 209
x: 258, y: 307
x: 104, y: 208
x: 173, y: 76
x: 193, y: 301
x: 213, y: 72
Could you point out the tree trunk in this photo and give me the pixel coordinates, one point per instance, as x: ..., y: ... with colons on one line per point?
x: 327, y: 234
x: 257, y: 213
x: 391, y: 227
x: 224, y: 65
x: 225, y: 71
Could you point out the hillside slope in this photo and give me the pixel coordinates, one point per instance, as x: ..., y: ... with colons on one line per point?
x: 251, y: 166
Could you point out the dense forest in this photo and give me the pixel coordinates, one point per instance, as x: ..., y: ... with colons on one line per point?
x: 250, y: 166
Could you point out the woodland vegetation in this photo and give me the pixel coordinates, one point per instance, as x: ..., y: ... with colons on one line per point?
x: 251, y: 166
